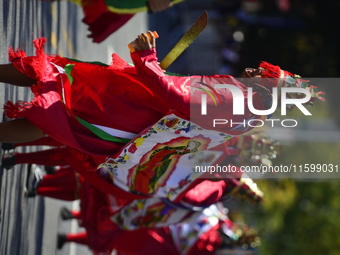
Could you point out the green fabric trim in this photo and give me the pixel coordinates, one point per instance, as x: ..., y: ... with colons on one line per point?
x: 89, y: 62
x: 175, y: 74
x: 208, y: 92
x: 97, y: 131
x: 127, y: 10
x: 68, y: 69
x: 130, y: 64
x: 130, y: 6
x: 100, y: 133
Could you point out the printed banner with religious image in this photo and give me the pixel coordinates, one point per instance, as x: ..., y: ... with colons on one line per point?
x: 161, y: 160
x: 149, y: 213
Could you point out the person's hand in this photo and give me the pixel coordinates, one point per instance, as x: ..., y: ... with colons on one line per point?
x: 144, y: 41
x: 159, y: 5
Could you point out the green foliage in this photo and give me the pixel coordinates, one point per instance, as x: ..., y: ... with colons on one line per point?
x: 300, y: 217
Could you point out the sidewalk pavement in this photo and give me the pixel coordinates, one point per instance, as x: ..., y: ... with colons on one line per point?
x: 28, y: 226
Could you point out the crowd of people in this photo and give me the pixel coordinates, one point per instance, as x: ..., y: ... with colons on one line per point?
x: 126, y: 140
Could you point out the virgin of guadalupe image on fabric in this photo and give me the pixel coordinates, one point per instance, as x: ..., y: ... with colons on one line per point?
x: 156, y: 166
x: 158, y: 213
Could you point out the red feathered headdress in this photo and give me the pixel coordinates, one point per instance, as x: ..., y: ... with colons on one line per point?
x: 276, y: 77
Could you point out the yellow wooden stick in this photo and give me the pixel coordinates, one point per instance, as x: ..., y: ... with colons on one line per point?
x: 185, y: 41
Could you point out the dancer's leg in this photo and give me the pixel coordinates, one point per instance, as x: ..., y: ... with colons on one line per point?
x: 79, y: 238
x: 9, y: 74
x: 76, y: 214
x: 19, y: 131
x: 61, y: 185
x: 67, y: 214
x: 51, y: 157
x: 48, y: 141
x: 57, y: 193
x: 65, y: 178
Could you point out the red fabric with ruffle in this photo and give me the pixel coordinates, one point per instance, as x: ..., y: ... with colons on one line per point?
x: 271, y: 74
x: 105, y: 25
x: 102, y: 22
x: 93, y: 9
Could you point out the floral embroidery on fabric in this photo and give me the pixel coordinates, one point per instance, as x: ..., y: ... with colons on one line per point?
x: 160, y: 161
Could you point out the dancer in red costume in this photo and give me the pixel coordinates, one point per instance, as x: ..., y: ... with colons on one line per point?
x: 103, y: 234
x: 103, y: 97
x: 98, y: 209
x: 50, y: 157
x: 105, y: 220
x: 76, y: 103
x: 65, y: 184
x: 203, y: 234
